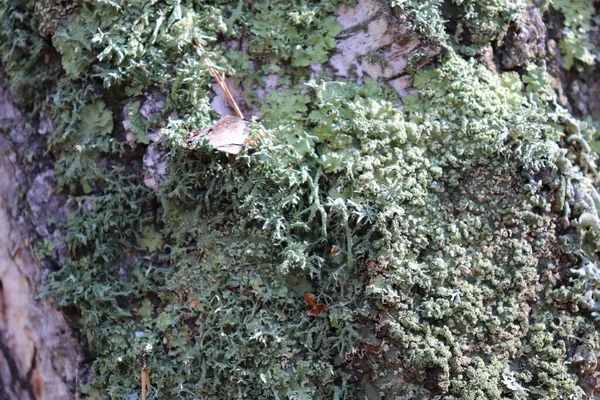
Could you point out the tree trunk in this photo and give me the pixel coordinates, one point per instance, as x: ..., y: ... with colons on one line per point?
x: 413, y: 213
x: 39, y: 354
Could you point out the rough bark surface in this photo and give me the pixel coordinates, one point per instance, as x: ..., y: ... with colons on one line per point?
x: 38, y: 352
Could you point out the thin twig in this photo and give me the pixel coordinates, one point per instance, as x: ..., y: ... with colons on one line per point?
x: 221, y: 82
x: 145, y: 375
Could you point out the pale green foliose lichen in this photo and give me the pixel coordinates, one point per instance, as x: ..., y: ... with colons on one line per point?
x: 454, y: 242
x: 580, y: 25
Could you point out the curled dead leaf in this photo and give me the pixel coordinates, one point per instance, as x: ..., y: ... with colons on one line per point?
x: 228, y: 134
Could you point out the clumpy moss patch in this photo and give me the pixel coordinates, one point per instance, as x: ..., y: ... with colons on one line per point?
x: 454, y: 242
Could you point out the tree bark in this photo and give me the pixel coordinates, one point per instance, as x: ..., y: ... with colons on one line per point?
x: 39, y: 353
x: 44, y: 357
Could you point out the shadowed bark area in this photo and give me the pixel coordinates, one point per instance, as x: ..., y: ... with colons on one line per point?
x: 38, y: 354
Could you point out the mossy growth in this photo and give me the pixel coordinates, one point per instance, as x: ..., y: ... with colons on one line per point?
x: 467, y: 25
x: 24, y: 57
x: 580, y: 27
x: 445, y: 238
x: 470, y: 26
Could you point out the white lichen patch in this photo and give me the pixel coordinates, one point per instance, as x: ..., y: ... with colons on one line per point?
x: 375, y: 44
x: 155, y: 166
x: 363, y: 11
x: 350, y: 50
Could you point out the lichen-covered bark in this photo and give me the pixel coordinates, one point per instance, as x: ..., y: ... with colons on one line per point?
x: 415, y: 165
x: 38, y: 353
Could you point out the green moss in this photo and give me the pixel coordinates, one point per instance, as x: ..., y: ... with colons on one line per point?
x: 436, y: 235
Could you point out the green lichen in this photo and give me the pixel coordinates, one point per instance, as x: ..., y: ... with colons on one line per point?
x: 22, y: 52
x: 579, y: 28
x: 297, y: 32
x: 440, y: 217
x: 475, y: 24
x: 136, y: 124
x: 447, y: 239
